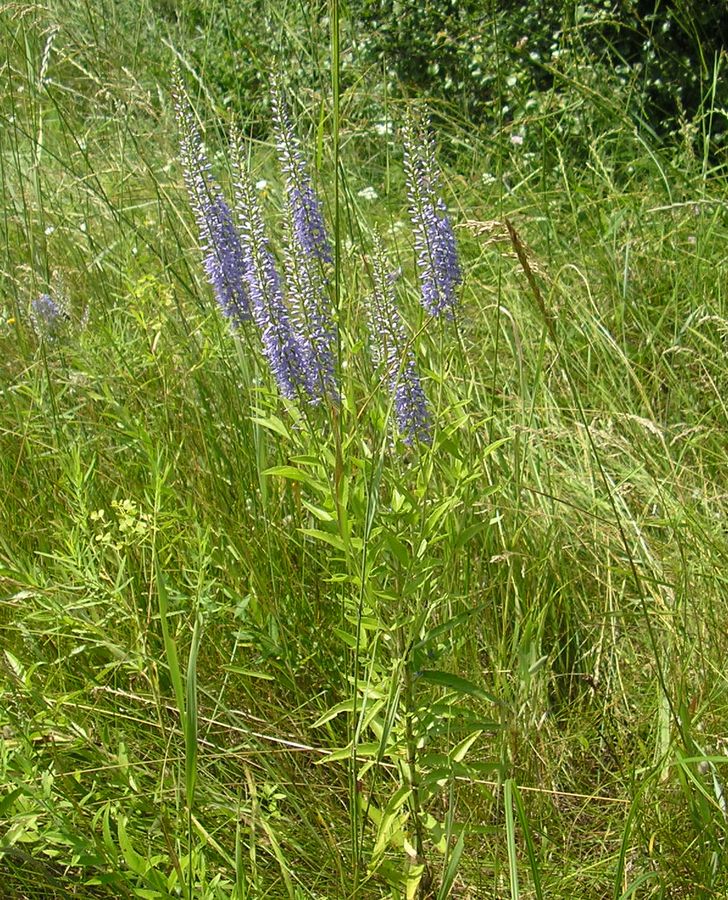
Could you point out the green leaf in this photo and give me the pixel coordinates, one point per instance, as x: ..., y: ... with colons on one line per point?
x: 106, y: 832
x: 346, y: 638
x: 349, y: 706
x: 344, y: 706
x: 459, y: 752
x: 455, y: 622
x: 241, y: 670
x: 390, y: 819
x: 362, y: 751
x: 448, y: 877
x: 8, y: 800
x: 397, y: 548
x: 291, y: 473
x: 272, y: 423
x: 134, y: 860
x: 191, y: 717
x: 16, y: 667
x: 455, y: 683
x: 530, y: 848
x: 467, y: 534
x: 511, y: 839
x: 323, y: 515
x: 334, y: 540
x: 170, y: 648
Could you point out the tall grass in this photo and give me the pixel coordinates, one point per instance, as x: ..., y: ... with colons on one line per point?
x: 247, y: 653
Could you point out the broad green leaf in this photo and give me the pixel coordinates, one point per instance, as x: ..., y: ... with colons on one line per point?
x: 272, y: 423
x: 334, y: 540
x: 346, y: 638
x: 362, y: 751
x: 414, y: 877
x: 455, y: 622
x: 344, y: 706
x: 106, y: 832
x: 134, y: 860
x: 349, y: 706
x: 459, y: 752
x: 323, y: 515
x: 455, y: 683
x: 291, y: 473
x: 8, y: 800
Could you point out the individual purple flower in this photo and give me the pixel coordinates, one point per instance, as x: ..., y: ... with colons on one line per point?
x: 437, y: 259
x: 285, y: 351
x: 306, y: 215
x: 391, y: 350
x: 223, y: 261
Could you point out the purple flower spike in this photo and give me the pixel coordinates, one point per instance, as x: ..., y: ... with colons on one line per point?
x: 283, y: 348
x: 314, y: 323
x: 437, y: 259
x: 305, y: 207
x: 224, y: 261
x: 391, y: 350
x: 48, y: 315
x: 308, y: 247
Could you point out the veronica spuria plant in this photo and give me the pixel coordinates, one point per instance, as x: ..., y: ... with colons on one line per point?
x: 374, y: 492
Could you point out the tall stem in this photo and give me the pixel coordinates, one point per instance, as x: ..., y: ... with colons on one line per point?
x: 412, y: 766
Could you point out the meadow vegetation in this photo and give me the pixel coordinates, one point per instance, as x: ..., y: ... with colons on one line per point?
x: 253, y: 647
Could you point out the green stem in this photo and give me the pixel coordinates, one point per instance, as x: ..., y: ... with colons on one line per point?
x: 414, y: 779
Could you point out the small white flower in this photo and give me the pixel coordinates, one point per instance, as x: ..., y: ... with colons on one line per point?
x: 134, y: 251
x: 488, y: 178
x: 49, y: 230
x: 82, y: 226
x: 261, y: 185
x: 383, y: 128
x: 517, y: 139
x: 368, y: 193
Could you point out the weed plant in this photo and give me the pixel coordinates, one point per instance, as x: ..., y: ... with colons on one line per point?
x: 255, y: 646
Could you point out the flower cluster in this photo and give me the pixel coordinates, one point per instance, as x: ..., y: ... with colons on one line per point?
x: 49, y: 315
x: 308, y: 249
x: 437, y: 258
x: 305, y: 208
x: 284, y: 349
x: 294, y: 314
x: 223, y: 254
x: 391, y: 350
